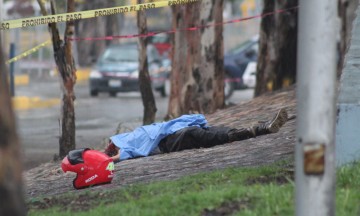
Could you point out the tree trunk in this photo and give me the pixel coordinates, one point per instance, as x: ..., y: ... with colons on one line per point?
x: 11, y: 188
x: 144, y: 77
x: 278, y: 47
x: 346, y: 9
x: 210, y: 95
x: 68, y: 75
x: 197, y: 79
x: 66, y: 66
x: 179, y: 56
x: 206, y: 94
x: 95, y: 27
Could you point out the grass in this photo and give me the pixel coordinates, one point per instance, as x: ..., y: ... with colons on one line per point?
x: 267, y: 190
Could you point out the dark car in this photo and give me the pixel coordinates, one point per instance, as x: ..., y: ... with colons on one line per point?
x: 235, y: 63
x: 117, y: 70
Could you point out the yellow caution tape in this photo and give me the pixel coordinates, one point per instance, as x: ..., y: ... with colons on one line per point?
x: 43, y: 20
x: 28, y: 52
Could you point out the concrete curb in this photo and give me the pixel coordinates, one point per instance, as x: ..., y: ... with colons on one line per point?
x: 21, y: 80
x: 82, y: 74
x: 26, y: 103
x: 348, y: 104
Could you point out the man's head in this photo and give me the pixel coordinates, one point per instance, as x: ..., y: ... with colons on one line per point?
x: 111, y: 149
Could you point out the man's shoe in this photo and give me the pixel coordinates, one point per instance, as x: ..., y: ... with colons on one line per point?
x: 273, y: 125
x: 277, y: 122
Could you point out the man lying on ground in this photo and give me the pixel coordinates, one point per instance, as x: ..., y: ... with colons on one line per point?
x: 185, y: 132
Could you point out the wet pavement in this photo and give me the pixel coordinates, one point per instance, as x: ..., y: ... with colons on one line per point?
x: 96, y: 118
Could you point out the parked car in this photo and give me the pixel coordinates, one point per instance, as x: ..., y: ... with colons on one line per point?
x: 162, y: 43
x: 235, y: 63
x: 249, y: 76
x: 117, y: 70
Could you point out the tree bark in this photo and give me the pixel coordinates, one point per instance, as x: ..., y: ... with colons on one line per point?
x: 11, y: 188
x: 144, y: 77
x: 66, y: 66
x: 210, y: 95
x: 95, y: 27
x: 278, y: 47
x: 179, y: 56
x: 197, y: 79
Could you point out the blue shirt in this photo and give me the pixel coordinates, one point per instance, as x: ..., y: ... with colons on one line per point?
x: 143, y: 140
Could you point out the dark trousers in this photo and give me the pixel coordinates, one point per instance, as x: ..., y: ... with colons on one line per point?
x: 194, y: 137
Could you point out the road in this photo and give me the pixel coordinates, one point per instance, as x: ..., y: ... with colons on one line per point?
x: 96, y: 118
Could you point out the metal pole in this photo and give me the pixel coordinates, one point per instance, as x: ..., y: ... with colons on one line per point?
x: 1, y: 19
x: 316, y: 87
x: 12, y: 68
x: 17, y: 48
x: 1, y: 10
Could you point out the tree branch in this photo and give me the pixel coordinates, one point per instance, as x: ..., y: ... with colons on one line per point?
x: 53, y: 27
x: 69, y: 31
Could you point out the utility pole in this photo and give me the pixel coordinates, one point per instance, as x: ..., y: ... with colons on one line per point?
x: 1, y: 10
x: 1, y: 19
x: 316, y: 96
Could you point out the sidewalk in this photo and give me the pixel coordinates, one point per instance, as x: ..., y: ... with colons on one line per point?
x: 348, y: 104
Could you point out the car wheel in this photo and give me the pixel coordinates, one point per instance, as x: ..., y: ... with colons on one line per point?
x: 229, y: 86
x: 112, y: 94
x: 162, y: 91
x: 94, y: 93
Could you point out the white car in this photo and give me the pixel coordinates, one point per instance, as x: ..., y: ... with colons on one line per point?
x: 249, y: 76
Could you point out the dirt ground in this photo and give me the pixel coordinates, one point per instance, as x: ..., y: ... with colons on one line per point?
x: 48, y: 179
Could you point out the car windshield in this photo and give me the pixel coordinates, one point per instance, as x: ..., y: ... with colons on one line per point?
x: 160, y: 38
x: 241, y: 47
x: 120, y: 54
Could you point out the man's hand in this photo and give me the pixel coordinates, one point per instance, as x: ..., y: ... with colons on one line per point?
x: 116, y: 158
